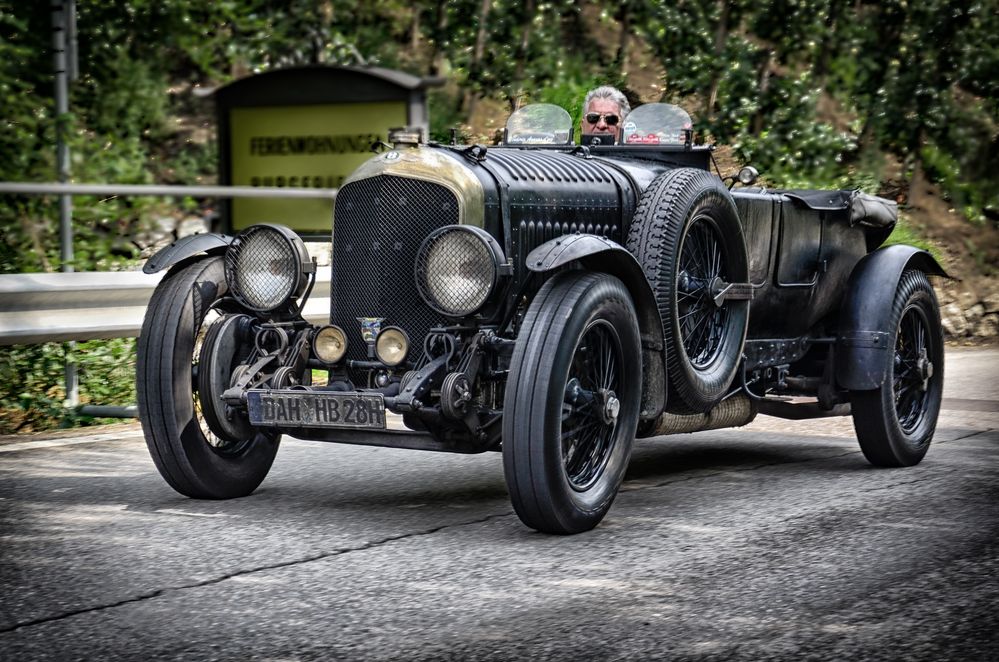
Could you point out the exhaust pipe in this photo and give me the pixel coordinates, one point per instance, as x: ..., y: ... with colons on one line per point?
x: 734, y: 412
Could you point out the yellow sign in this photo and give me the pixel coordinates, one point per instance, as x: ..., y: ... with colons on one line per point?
x: 314, y: 146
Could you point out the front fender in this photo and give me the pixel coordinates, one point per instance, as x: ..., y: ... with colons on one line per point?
x: 185, y: 247
x: 865, y: 336
x: 601, y: 254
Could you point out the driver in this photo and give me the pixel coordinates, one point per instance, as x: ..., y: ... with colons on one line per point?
x: 604, y: 110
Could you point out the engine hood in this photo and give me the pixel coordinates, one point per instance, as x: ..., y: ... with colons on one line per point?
x: 430, y: 165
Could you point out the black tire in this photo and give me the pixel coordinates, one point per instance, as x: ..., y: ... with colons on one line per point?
x: 682, y: 214
x: 564, y: 460
x: 191, y: 459
x: 895, y: 423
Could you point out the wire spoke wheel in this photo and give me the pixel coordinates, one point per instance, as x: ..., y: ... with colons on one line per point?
x: 911, y: 369
x: 591, y: 392
x: 217, y: 357
x: 572, y: 401
x: 212, y: 439
x: 702, y: 323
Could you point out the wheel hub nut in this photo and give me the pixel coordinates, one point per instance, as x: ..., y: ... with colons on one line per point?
x: 611, y: 407
x: 925, y: 367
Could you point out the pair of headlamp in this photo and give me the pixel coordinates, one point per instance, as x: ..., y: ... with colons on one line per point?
x: 391, y: 345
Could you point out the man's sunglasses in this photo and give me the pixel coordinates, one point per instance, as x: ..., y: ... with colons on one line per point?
x: 593, y: 118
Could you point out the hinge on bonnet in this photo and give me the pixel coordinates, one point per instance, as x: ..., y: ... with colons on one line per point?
x: 475, y: 153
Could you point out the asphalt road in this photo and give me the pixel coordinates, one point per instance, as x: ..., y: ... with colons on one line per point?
x: 775, y: 541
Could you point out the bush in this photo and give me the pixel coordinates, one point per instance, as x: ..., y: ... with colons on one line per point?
x: 32, y: 382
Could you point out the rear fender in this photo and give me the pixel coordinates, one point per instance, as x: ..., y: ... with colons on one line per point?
x: 601, y: 254
x: 186, y: 247
x: 865, y: 336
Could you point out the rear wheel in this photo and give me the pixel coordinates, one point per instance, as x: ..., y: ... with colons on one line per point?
x: 572, y: 401
x: 687, y: 236
x: 895, y: 423
x: 191, y: 458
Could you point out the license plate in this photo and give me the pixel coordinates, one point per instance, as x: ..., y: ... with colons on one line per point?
x: 316, y: 409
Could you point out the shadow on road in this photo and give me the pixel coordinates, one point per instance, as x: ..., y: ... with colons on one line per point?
x: 672, y: 457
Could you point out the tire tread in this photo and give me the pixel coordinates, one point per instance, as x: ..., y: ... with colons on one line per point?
x: 654, y: 238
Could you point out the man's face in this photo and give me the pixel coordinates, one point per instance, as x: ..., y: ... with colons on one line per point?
x: 605, y: 108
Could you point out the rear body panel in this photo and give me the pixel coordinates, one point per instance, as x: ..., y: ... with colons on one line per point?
x: 800, y: 260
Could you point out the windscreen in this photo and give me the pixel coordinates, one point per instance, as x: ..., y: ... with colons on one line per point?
x: 539, y: 124
x: 656, y: 124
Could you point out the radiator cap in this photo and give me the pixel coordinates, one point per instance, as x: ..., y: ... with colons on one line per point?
x: 405, y: 136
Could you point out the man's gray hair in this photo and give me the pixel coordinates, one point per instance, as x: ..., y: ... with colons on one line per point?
x: 610, y: 93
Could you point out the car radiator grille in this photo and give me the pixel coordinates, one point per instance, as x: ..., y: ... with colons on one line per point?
x: 379, y: 224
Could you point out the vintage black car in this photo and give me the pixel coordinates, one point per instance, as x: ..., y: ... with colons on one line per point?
x: 548, y: 300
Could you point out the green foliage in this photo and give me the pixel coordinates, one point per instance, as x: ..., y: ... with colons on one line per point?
x: 918, y: 77
x: 866, y: 172
x: 946, y: 169
x: 568, y: 94
x: 903, y: 233
x: 107, y: 370
x: 793, y: 147
x: 32, y: 393
x: 444, y: 116
x: 32, y: 389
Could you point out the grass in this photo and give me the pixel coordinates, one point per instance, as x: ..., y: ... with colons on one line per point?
x: 904, y: 233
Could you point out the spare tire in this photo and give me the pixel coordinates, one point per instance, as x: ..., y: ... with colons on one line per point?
x: 687, y: 236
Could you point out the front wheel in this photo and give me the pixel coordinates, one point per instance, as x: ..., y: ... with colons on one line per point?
x: 572, y: 401
x: 895, y: 423
x: 191, y: 458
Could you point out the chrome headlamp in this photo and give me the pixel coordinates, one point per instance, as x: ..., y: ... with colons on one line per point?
x: 329, y: 343
x: 392, y: 345
x: 266, y: 266
x: 457, y: 268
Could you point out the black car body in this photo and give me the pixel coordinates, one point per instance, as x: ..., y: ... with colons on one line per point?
x: 548, y: 300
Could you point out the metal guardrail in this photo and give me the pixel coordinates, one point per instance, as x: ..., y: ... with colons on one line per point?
x: 168, y: 191
x: 58, y: 307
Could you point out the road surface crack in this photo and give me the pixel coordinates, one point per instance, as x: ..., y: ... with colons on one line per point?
x: 968, y: 436
x: 241, y: 573
x: 921, y: 479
